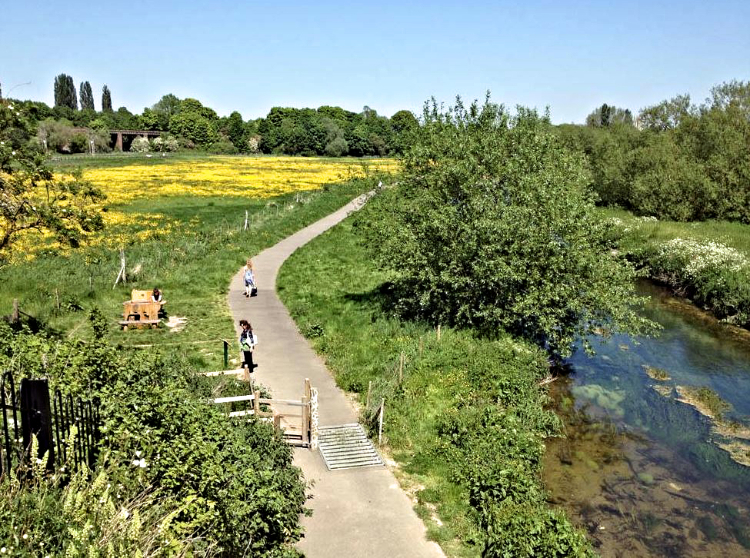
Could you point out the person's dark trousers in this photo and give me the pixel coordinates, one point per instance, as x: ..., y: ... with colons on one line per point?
x: 248, y: 360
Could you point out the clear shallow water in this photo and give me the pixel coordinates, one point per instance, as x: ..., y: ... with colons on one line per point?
x: 640, y: 470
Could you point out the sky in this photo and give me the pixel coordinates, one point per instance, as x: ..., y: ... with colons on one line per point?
x: 250, y: 56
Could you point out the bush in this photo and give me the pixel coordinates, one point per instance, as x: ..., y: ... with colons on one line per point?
x: 716, y: 277
x: 223, y: 148
x: 337, y: 147
x: 229, y: 487
x: 165, y: 143
x: 492, y: 227
x: 140, y: 145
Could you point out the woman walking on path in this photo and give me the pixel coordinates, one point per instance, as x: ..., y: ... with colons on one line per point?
x: 249, y: 277
x: 248, y: 341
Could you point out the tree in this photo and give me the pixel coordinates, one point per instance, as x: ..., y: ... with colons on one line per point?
x: 667, y: 115
x: 169, y: 105
x: 194, y: 127
x: 236, y: 131
x: 608, y: 115
x: 106, y: 99
x: 604, y: 115
x: 492, y: 226
x: 87, y: 96
x: 32, y: 197
x: 65, y: 92
x: 164, y: 109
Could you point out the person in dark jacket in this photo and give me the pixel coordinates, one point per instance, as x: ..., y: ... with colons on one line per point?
x: 248, y: 341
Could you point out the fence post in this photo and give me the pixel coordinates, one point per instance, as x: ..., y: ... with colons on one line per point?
x: 438, y: 332
x: 380, y: 422
x: 401, y: 368
x: 256, y: 403
x: 369, y: 391
x: 9, y: 450
x: 36, y: 418
x: 15, y: 316
x: 226, y: 354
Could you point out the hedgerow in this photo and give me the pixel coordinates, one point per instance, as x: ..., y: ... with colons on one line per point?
x: 229, y: 488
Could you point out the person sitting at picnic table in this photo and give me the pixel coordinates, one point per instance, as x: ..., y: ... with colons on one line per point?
x: 156, y: 295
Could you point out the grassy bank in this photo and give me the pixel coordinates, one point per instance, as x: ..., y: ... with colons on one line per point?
x: 706, y: 262
x: 464, y: 417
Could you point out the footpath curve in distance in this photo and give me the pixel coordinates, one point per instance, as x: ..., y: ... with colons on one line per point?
x: 357, y: 513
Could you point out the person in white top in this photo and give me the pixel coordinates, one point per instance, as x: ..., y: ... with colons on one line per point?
x: 249, y: 277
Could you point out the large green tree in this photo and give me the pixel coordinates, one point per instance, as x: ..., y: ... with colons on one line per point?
x: 65, y: 92
x: 236, y: 131
x: 87, y: 96
x: 492, y: 226
x: 32, y: 197
x: 106, y: 99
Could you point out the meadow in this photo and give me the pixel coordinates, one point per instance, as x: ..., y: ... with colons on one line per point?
x: 181, y: 223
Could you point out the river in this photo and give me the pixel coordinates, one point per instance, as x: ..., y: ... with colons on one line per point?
x: 643, y: 472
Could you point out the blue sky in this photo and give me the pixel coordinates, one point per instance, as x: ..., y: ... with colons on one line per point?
x: 250, y: 56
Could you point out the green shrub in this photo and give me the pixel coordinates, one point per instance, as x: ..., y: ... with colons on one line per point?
x: 230, y: 484
x: 464, y: 416
x: 223, y: 148
x: 492, y: 227
x: 140, y: 145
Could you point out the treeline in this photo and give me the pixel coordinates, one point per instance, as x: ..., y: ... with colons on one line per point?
x: 676, y: 160
x: 326, y: 131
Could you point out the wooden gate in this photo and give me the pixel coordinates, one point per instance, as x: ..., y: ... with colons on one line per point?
x: 296, y: 418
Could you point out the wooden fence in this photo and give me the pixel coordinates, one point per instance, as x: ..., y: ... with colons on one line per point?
x: 296, y: 418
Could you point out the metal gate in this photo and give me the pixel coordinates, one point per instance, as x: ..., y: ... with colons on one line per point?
x: 29, y: 412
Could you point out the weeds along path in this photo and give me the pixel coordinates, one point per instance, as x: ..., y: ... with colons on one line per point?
x: 356, y: 512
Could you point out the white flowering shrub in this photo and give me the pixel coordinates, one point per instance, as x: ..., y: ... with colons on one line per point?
x: 253, y: 144
x: 163, y: 144
x: 140, y: 145
x: 695, y: 258
x: 713, y: 275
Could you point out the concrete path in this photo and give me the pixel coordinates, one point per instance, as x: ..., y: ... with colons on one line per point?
x: 356, y: 512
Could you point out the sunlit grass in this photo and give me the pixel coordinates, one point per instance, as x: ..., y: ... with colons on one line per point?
x: 735, y: 235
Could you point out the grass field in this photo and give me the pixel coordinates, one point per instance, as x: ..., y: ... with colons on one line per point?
x: 187, y: 238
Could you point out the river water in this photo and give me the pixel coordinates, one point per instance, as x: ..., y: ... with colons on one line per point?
x: 643, y: 472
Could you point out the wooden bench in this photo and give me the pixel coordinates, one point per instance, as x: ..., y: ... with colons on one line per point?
x: 140, y: 310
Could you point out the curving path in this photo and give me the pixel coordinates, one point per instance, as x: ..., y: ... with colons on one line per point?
x: 356, y: 512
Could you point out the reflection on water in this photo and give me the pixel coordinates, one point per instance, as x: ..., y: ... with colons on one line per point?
x: 642, y: 472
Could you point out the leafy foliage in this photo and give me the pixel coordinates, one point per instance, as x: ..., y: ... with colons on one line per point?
x: 65, y: 92
x: 464, y: 416
x: 690, y: 163
x: 31, y: 197
x: 87, y: 96
x: 492, y: 227
x: 228, y: 487
x: 106, y: 99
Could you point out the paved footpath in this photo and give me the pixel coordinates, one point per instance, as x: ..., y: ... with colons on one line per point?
x: 356, y: 512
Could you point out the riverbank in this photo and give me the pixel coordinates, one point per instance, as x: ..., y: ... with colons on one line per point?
x: 464, y: 420
x: 707, y: 263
